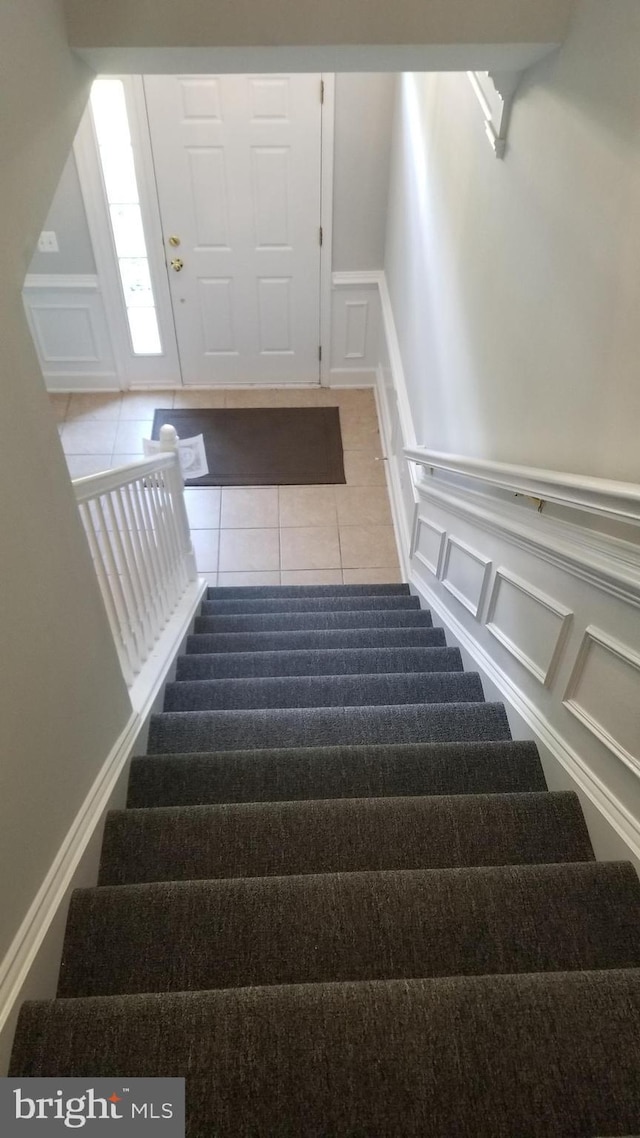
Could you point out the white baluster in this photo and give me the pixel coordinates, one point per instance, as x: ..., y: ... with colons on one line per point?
x: 126, y: 624
x: 107, y: 592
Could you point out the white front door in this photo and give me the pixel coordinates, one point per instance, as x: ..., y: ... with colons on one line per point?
x: 237, y: 161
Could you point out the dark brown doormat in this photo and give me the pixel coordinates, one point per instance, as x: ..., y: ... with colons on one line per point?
x: 263, y: 446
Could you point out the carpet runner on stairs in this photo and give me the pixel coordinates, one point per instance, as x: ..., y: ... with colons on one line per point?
x: 342, y: 902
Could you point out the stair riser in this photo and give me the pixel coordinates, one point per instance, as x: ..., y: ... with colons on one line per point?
x: 333, y: 662
x: 309, y: 640
x: 309, y: 604
x: 177, y: 731
x: 323, y: 691
x: 290, y: 622
x: 384, y: 926
x: 271, y: 839
x: 254, y: 592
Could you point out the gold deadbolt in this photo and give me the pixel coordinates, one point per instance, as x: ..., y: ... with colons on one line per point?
x: 174, y: 242
x: 177, y: 265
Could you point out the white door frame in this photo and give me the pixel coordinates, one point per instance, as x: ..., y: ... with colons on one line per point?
x: 326, y: 221
x: 164, y: 371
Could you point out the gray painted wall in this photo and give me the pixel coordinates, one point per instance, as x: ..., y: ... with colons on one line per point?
x: 363, y: 125
x: 68, y: 219
x: 515, y: 284
x: 62, y: 698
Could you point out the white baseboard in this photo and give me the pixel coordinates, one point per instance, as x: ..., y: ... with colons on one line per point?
x: 619, y: 837
x: 352, y: 377
x: 30, y: 968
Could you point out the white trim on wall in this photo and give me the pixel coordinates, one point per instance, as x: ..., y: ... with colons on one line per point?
x: 76, y: 281
x: 326, y: 220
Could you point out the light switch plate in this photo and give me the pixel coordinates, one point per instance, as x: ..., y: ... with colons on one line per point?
x: 48, y: 242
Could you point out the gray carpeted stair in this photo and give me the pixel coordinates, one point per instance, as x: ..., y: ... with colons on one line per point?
x: 335, y: 772
x: 309, y: 604
x: 511, y: 1056
x: 310, y: 621
x: 297, y: 727
x: 324, y: 691
x: 327, y: 661
x: 341, y: 901
x: 253, y: 839
x: 194, y: 935
x: 315, y: 640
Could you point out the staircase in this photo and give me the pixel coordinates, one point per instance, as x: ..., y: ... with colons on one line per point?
x: 341, y: 900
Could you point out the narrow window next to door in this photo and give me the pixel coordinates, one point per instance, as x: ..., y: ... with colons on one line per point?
x: 109, y: 110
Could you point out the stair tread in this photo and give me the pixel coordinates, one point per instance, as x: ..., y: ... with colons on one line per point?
x: 407, y: 1057
x: 179, y: 936
x: 335, y: 772
x: 323, y: 691
x: 334, y: 835
x: 324, y: 661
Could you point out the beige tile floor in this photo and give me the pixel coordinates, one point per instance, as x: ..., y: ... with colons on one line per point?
x: 258, y: 535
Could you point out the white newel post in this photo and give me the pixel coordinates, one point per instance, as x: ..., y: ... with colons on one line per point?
x: 169, y: 443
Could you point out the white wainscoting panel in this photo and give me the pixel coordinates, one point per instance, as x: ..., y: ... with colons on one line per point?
x: 529, y: 624
x: 604, y: 693
x: 465, y: 574
x: 355, y: 328
x: 68, y: 323
x: 428, y: 544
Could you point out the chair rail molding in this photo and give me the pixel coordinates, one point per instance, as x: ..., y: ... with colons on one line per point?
x: 604, y: 496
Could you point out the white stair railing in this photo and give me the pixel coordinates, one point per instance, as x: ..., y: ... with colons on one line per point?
x: 136, y: 523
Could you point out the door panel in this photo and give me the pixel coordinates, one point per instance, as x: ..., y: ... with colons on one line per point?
x: 237, y: 161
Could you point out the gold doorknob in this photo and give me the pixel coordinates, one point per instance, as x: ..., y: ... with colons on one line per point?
x: 177, y: 265
x: 174, y: 241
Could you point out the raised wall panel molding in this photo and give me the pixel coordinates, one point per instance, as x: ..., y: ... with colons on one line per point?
x: 621, y: 820
x: 609, y: 564
x: 530, y: 625
x: 427, y: 545
x: 602, y: 693
x: 465, y: 574
x: 69, y: 329
x: 355, y: 323
x: 495, y: 91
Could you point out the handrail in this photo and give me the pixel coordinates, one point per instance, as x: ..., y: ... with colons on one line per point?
x: 604, y: 496
x: 137, y: 527
x: 106, y: 480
